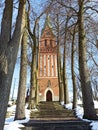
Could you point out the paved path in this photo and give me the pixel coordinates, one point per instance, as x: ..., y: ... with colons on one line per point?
x: 53, y: 116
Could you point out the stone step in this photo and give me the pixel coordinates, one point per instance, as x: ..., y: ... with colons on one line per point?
x: 51, y: 110
x: 53, y: 116
x: 59, y: 125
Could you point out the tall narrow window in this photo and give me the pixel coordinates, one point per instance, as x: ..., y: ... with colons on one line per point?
x: 45, y: 42
x: 51, y: 43
x: 52, y: 65
x: 40, y: 65
x: 56, y: 64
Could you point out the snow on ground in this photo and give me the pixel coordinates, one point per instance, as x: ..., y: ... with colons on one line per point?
x: 79, y: 112
x: 17, y: 125
x: 94, y: 124
x: 96, y: 104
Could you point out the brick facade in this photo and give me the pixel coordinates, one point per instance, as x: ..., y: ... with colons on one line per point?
x: 47, y: 66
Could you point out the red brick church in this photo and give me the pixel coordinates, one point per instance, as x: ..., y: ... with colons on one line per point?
x: 47, y: 65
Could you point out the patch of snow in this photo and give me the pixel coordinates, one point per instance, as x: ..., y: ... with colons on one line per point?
x: 94, y: 125
x: 62, y: 103
x: 13, y: 125
x: 12, y: 108
x: 79, y: 102
x: 96, y: 104
x: 17, y: 124
x: 7, y: 120
x: 68, y: 106
x: 27, y: 113
x: 10, y: 103
x: 79, y: 112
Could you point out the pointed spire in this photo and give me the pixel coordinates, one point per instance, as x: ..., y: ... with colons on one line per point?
x: 47, y: 21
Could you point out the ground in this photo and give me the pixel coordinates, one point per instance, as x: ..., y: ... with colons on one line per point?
x: 17, y: 125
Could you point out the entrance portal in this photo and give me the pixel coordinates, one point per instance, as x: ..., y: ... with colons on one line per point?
x: 48, y: 96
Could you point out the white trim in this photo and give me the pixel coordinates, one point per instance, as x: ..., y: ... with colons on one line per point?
x: 52, y: 65
x: 44, y: 65
x: 48, y: 65
x: 48, y: 89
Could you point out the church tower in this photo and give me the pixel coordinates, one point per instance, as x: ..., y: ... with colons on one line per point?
x: 47, y: 65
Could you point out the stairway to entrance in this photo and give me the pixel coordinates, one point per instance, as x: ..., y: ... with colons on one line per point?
x: 53, y: 116
x: 52, y: 111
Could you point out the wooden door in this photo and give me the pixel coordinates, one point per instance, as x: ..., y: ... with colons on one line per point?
x: 49, y: 96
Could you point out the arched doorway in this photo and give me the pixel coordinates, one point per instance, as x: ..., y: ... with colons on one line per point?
x: 48, y: 96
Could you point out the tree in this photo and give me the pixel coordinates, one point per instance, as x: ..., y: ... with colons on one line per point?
x: 65, y: 82
x: 33, y: 81
x: 72, y: 69
x: 78, y: 9
x: 60, y: 72
x: 34, y: 35
x: 9, y: 44
x: 88, y: 105
x: 20, y: 104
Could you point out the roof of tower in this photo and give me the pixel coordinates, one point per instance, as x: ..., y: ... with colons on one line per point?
x: 47, y: 23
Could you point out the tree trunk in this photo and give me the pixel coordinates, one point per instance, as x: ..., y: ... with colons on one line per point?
x: 20, y: 105
x: 72, y: 71
x: 61, y: 89
x: 37, y: 89
x: 65, y: 83
x: 88, y: 105
x: 37, y: 55
x: 8, y: 53
x: 32, y: 87
x: 33, y: 82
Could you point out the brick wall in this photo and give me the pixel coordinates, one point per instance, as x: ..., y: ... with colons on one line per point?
x: 47, y: 65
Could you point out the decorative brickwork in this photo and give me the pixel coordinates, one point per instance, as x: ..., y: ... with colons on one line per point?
x: 47, y: 66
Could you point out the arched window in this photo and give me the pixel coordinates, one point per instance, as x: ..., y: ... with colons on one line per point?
x: 45, y: 42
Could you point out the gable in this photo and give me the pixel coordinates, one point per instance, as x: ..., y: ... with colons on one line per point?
x: 47, y: 33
